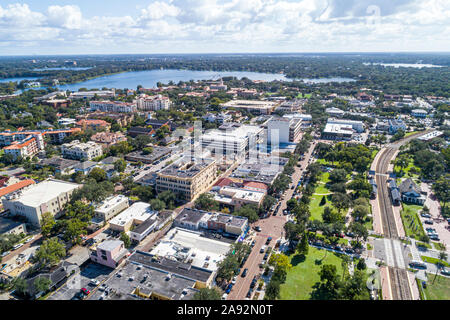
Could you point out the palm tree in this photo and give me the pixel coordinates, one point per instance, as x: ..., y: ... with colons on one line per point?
x: 344, y: 263
x: 442, y: 260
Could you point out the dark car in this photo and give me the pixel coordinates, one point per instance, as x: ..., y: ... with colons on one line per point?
x: 253, y: 243
x: 266, y: 256
x: 428, y: 221
x: 244, y: 273
x: 253, y: 284
x: 228, y: 290
x: 258, y: 228
x: 268, y: 240
x: 249, y: 293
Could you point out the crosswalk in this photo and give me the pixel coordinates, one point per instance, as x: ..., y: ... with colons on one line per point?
x: 394, y: 253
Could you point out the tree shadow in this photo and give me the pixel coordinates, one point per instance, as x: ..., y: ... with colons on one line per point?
x: 318, y: 262
x: 320, y: 292
x: 299, y: 258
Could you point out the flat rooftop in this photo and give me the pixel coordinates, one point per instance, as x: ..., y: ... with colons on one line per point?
x: 7, y: 224
x: 174, y: 267
x: 111, y: 202
x: 186, y: 167
x: 43, y: 192
x: 148, y: 280
x: 138, y: 211
x: 191, y: 247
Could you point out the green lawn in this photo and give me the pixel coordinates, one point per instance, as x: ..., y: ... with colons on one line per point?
x: 440, y: 290
x: 407, y: 171
x: 434, y: 261
x: 324, y: 162
x: 314, y: 207
x: 307, y: 95
x: 410, y: 133
x: 304, y: 275
x: 411, y: 222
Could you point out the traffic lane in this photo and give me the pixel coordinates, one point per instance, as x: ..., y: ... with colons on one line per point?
x: 36, y: 241
x: 242, y: 285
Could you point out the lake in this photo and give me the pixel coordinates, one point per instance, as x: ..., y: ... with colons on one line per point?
x: 149, y: 79
x: 403, y: 65
x: 327, y: 80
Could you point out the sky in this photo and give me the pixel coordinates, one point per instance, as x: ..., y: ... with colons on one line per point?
x: 40, y: 27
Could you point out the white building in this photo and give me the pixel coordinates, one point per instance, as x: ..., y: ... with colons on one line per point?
x: 110, y: 207
x: 283, y: 130
x: 335, y: 112
x: 232, y: 140
x: 138, y: 213
x: 338, y: 131
x: 419, y: 113
x: 254, y: 106
x: 152, y: 103
x: 358, y: 126
x: 81, y: 151
x: 113, y: 106
x: 237, y: 197
x: 305, y: 118
x: 47, y: 196
x: 93, y: 94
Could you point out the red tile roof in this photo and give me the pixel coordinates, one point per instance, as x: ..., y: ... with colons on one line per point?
x: 17, y: 186
x: 223, y: 182
x: 256, y: 185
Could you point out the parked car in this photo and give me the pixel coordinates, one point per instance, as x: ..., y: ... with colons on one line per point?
x: 85, y: 291
x: 94, y: 282
x: 249, y: 293
x: 263, y: 248
x: 4, y: 254
x: 258, y: 228
x: 225, y: 296
x: 228, y: 290
x: 425, y: 215
x: 103, y: 287
x: 268, y: 240
x: 17, y: 246
x: 266, y: 256
x: 244, y: 273
x: 445, y: 271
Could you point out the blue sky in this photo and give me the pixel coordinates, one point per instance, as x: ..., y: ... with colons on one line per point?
x: 204, y: 26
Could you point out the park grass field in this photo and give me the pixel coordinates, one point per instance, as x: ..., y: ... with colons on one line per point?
x: 305, y: 274
x: 439, y: 290
x: 411, y: 222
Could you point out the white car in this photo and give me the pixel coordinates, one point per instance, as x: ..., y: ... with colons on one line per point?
x: 29, y: 240
x: 94, y: 282
x: 225, y: 296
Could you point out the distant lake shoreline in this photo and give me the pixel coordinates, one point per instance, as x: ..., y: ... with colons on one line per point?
x: 150, y: 78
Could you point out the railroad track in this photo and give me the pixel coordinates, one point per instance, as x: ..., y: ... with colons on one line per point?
x: 400, y: 286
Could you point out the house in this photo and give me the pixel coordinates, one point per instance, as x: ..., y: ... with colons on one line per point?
x: 411, y: 192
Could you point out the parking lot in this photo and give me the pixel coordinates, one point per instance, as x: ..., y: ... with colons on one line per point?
x: 81, y: 280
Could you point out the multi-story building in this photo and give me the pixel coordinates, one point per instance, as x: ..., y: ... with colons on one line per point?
x: 57, y: 136
x: 109, y: 253
x: 358, y: 126
x: 107, y: 139
x: 152, y: 103
x: 283, y: 130
x: 135, y: 215
x: 113, y: 106
x: 111, y: 207
x: 93, y: 124
x: 81, y: 151
x: 48, y: 196
x: 26, y: 148
x: 188, y: 177
x: 231, y: 139
x: 338, y: 131
x: 93, y: 94
x: 419, y: 113
x: 253, y: 106
x: 395, y: 125
x: 238, y: 197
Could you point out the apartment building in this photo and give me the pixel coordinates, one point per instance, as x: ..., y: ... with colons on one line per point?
x: 188, y: 177
x: 283, y: 130
x: 26, y: 148
x: 358, y: 126
x: 253, y: 106
x: 152, y: 103
x: 48, y: 196
x: 111, y: 207
x: 107, y: 139
x: 81, y: 151
x: 113, y: 106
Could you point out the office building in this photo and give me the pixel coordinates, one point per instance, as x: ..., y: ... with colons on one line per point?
x: 81, y: 151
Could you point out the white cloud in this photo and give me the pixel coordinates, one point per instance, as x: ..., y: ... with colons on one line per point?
x: 250, y: 25
x: 69, y: 17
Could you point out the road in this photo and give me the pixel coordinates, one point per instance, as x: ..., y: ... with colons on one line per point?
x: 270, y: 227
